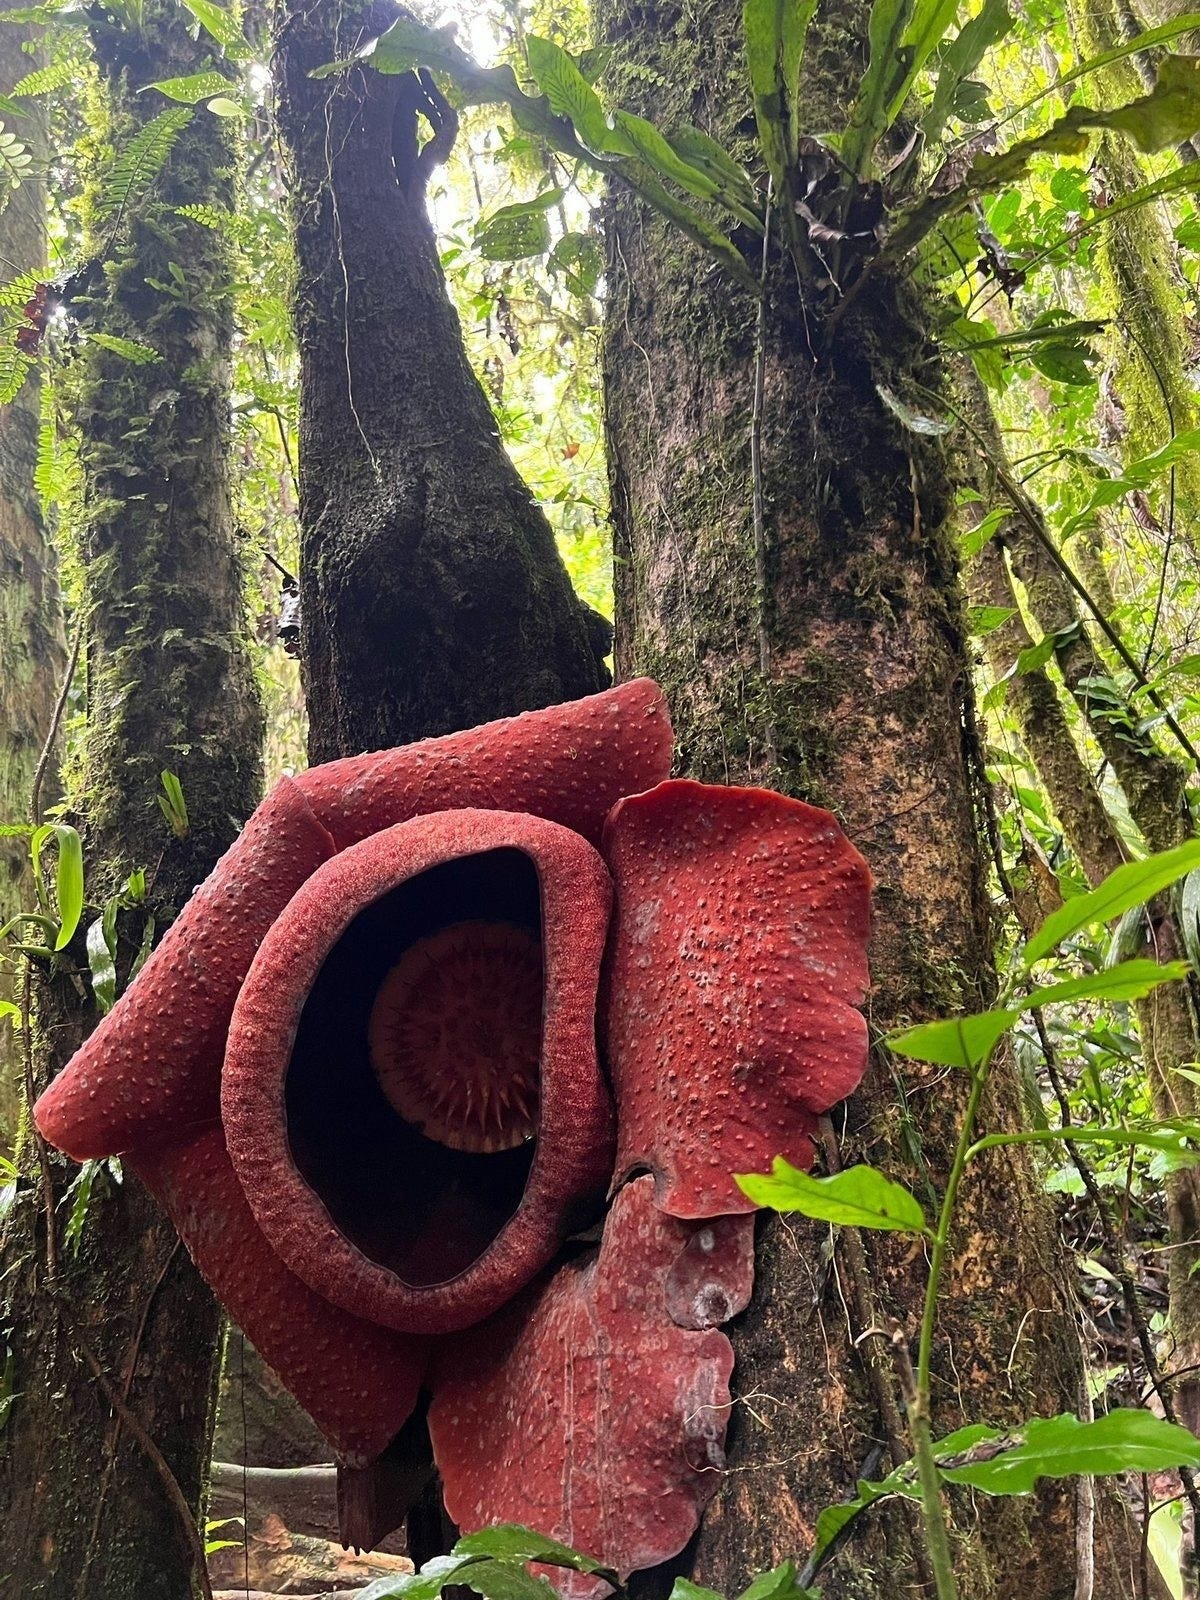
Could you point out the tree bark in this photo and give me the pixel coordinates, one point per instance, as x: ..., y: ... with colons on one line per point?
x: 433, y: 595
x: 32, y: 656
x: 826, y: 657
x: 169, y: 685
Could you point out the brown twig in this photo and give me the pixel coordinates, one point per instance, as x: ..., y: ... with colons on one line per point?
x: 60, y: 705
x: 156, y: 1459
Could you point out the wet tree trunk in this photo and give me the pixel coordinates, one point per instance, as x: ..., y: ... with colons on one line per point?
x: 31, y: 646
x: 433, y: 594
x: 825, y: 656
x: 169, y: 685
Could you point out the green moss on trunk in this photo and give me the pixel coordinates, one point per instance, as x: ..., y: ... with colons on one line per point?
x: 169, y: 685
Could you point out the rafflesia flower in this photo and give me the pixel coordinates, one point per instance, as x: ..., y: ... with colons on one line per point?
x: 431, y: 1011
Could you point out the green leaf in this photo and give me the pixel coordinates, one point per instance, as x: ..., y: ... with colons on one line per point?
x: 774, y: 32
x: 68, y: 877
x: 141, y: 355
x: 136, y: 166
x: 173, y: 805
x: 513, y: 234
x: 101, y: 954
x: 930, y: 22
x: 510, y: 1541
x: 569, y: 93
x: 44, y: 80
x: 1137, y: 474
x: 1189, y: 917
x: 859, y: 1197
x: 778, y: 1584
x: 222, y: 27
x: 685, y: 1589
x: 696, y: 147
x: 505, y: 1580
x: 223, y: 106
x: 1035, y: 656
x: 1128, y: 981
x: 983, y: 620
x: 693, y: 223
x: 974, y: 540
x: 1063, y: 1447
x: 195, y: 87
x: 974, y: 39
x: 1130, y: 885
x: 954, y: 1041
x: 886, y: 68
x: 1169, y: 114
x: 424, y: 1585
x: 644, y: 141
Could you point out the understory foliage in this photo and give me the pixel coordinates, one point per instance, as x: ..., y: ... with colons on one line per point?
x: 1003, y: 158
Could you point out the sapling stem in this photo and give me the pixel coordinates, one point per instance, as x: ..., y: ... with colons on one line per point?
x: 937, y: 1534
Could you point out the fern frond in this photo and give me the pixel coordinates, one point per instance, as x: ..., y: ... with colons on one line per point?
x: 19, y: 291
x: 14, y: 158
x: 15, y: 367
x: 140, y: 162
x: 239, y: 229
x: 141, y: 355
x: 44, y: 79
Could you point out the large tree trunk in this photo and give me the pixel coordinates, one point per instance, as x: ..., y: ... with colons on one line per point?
x: 31, y: 648
x: 82, y: 1509
x: 433, y: 596
x: 830, y: 662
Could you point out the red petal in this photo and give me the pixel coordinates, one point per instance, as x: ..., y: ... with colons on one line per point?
x: 358, y: 1382
x: 573, y: 1157
x: 570, y: 763
x: 737, y: 957
x: 584, y: 1410
x: 152, y: 1065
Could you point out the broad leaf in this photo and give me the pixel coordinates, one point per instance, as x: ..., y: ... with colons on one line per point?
x: 860, y: 1197
x: 506, y: 1580
x: 191, y: 90
x: 954, y: 1041
x: 510, y: 1542
x: 424, y: 1585
x: 1063, y: 1447
x: 222, y: 26
x: 685, y: 1589
x: 570, y: 94
x: 1128, y: 886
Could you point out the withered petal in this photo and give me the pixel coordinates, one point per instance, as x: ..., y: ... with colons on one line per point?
x: 572, y: 1160
x: 736, y: 960
x: 585, y: 1409
x: 152, y: 1066
x: 357, y: 1381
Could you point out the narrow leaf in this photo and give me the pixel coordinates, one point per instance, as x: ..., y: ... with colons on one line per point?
x: 1128, y: 886
x: 1061, y: 1447
x: 1128, y: 981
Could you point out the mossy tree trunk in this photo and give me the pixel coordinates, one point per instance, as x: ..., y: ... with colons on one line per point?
x: 830, y: 662
x: 31, y: 645
x: 168, y: 686
x: 433, y: 595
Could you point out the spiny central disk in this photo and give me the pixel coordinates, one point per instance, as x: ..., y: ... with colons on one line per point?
x: 455, y: 1035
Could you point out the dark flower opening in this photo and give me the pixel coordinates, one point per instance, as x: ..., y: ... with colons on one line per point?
x: 455, y: 1035
x: 411, y: 1094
